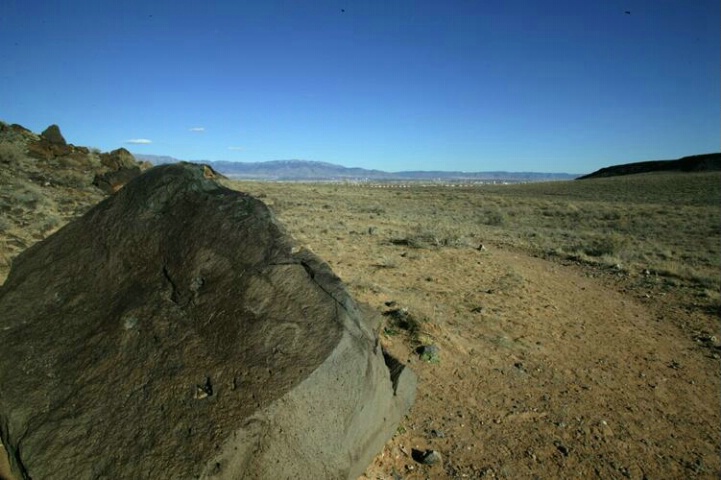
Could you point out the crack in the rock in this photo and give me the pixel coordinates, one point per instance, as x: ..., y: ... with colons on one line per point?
x: 308, y: 270
x: 395, y: 369
x: 174, y: 288
x: 16, y: 454
x: 175, y: 296
x: 311, y: 273
x: 19, y: 463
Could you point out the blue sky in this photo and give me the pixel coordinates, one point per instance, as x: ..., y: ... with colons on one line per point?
x: 514, y: 85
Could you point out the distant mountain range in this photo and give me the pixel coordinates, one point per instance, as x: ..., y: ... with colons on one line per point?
x: 306, y: 170
x: 695, y: 163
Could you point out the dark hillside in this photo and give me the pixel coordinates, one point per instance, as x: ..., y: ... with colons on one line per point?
x: 707, y: 162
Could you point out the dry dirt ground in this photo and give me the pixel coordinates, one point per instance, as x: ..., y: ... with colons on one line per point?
x: 545, y: 369
x: 544, y: 372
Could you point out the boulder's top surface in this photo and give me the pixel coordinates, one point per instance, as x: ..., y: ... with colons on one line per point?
x: 147, y: 332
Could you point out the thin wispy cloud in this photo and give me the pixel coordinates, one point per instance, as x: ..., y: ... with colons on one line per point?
x: 139, y: 141
x: 197, y: 129
x: 235, y: 148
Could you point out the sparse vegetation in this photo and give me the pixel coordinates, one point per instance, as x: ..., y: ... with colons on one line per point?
x: 5, y: 225
x: 669, y: 224
x: 403, y: 319
x: 74, y: 179
x: 24, y: 195
x: 11, y: 152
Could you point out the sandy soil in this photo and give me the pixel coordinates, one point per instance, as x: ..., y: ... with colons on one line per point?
x: 545, y: 370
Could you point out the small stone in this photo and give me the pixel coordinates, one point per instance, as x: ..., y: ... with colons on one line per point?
x: 205, y: 390
x: 432, y: 458
x: 486, y: 472
x: 429, y: 457
x: 563, y: 449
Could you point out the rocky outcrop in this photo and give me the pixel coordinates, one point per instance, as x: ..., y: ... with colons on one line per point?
x: 49, y: 145
x: 108, y: 171
x: 177, y: 331
x: 52, y: 135
x: 121, y: 168
x: 118, y: 159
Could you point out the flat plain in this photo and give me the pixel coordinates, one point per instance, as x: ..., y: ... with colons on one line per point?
x: 575, y: 324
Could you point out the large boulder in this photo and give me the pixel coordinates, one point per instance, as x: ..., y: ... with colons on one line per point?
x: 120, y: 167
x: 118, y: 159
x: 177, y: 331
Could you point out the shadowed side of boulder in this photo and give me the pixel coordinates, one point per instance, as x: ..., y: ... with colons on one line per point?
x: 177, y: 331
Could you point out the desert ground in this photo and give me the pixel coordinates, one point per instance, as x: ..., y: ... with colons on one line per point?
x: 581, y: 340
x: 558, y: 330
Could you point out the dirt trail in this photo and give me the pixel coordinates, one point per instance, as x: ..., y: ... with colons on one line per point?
x: 544, y: 372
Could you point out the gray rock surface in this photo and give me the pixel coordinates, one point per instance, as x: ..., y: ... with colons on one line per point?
x: 177, y: 331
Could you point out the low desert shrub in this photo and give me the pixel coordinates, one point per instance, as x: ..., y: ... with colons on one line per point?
x: 26, y: 196
x: 73, y: 179
x: 5, y: 225
x: 494, y: 218
x: 49, y: 222
x: 401, y: 319
x: 11, y: 152
x: 605, y: 245
x: 422, y: 236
